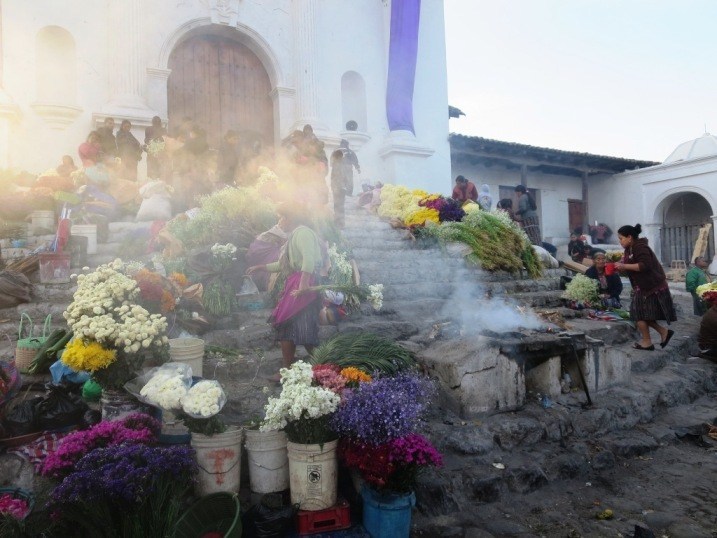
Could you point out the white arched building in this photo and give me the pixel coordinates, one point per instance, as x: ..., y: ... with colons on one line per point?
x: 672, y: 200
x: 267, y: 66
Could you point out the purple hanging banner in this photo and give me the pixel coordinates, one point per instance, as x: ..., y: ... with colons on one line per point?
x: 402, y: 56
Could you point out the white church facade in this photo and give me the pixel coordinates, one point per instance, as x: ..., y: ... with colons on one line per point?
x: 267, y: 66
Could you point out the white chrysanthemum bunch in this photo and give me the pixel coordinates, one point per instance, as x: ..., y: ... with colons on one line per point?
x: 205, y: 399
x: 103, y: 310
x: 223, y: 251
x: 582, y: 288
x: 375, y: 296
x: 341, y: 272
x: 266, y: 175
x: 165, y: 389
x: 298, y: 399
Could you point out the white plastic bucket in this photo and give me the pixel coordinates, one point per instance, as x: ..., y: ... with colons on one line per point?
x: 268, y: 461
x: 42, y: 221
x: 90, y: 232
x: 219, y: 461
x: 313, y: 475
x: 189, y: 351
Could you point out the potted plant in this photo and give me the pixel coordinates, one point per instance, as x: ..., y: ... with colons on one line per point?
x: 217, y: 446
x: 304, y: 410
x: 113, y: 335
x: 377, y: 422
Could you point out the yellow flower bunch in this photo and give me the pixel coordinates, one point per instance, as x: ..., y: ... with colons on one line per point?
x: 353, y: 374
x: 397, y: 201
x: 423, y: 215
x: 706, y: 288
x: 614, y: 255
x: 87, y: 356
x: 470, y: 207
x: 420, y: 193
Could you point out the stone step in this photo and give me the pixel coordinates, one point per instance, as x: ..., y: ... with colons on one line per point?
x: 425, y: 289
x: 680, y: 396
x: 128, y: 226
x: 539, y: 299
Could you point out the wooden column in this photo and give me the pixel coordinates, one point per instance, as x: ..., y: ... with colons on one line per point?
x: 586, y: 223
x: 524, y: 175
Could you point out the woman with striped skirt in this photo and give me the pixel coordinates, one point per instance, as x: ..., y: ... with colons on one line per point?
x: 651, y: 301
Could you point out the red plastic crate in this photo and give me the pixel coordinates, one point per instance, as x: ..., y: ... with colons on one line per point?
x: 331, y: 519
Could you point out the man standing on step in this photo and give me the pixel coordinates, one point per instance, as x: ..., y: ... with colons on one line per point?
x: 350, y: 161
x: 338, y: 186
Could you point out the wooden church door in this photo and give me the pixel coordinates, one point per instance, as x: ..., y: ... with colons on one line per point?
x: 221, y: 84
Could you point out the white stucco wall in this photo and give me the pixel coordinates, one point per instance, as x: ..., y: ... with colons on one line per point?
x: 350, y: 36
x: 643, y: 195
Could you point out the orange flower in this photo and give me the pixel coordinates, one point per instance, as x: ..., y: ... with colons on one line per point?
x: 180, y: 279
x: 168, y: 303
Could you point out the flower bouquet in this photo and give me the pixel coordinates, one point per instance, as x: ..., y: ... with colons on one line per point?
x: 219, y: 295
x: 708, y: 292
x: 113, y: 335
x: 303, y: 409
x: 614, y: 256
x: 582, y: 290
x: 135, y: 490
x: 377, y: 422
x: 133, y: 429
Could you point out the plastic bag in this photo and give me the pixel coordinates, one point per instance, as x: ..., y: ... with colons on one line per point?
x: 22, y: 419
x: 248, y: 287
x: 157, y: 207
x: 91, y: 391
x: 271, y: 517
x: 61, y: 372
x: 60, y: 407
x: 194, y: 405
x: 174, y: 380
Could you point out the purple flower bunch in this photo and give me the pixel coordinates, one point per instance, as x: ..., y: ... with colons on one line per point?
x: 449, y: 210
x: 133, y: 429
x: 414, y: 449
x: 385, y: 409
x: 124, y: 475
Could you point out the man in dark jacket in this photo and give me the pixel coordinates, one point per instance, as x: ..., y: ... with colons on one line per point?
x: 107, y: 138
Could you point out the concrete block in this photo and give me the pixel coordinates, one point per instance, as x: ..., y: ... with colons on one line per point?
x: 545, y: 378
x: 475, y: 377
x: 603, y: 367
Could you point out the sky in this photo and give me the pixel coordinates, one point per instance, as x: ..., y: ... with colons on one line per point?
x: 626, y: 78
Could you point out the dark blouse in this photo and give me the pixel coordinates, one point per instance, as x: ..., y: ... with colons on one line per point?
x: 612, y: 284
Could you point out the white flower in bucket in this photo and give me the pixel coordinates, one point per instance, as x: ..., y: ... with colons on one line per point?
x: 204, y: 400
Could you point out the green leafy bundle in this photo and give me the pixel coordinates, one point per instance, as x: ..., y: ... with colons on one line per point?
x: 366, y: 351
x: 496, y: 243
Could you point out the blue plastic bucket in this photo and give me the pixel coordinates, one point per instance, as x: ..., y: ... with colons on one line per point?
x: 387, y: 515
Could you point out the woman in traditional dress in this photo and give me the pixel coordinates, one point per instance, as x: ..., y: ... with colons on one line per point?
x: 296, y: 316
x: 651, y: 301
x: 609, y: 286
x: 527, y: 214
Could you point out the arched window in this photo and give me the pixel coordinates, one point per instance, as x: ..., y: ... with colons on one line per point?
x: 56, y: 66
x: 353, y: 100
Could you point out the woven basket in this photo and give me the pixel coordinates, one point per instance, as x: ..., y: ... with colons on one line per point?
x: 28, y: 345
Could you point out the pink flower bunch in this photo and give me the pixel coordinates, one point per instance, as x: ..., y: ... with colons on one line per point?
x: 329, y: 376
x: 414, y: 449
x: 12, y: 506
x: 133, y: 429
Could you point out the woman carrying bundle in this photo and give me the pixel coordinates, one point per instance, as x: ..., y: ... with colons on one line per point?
x: 528, y: 215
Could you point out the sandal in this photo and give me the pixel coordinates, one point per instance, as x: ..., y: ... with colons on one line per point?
x: 667, y: 339
x: 648, y: 348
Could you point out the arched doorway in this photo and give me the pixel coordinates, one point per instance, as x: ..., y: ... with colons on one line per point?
x: 682, y: 216
x: 221, y: 84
